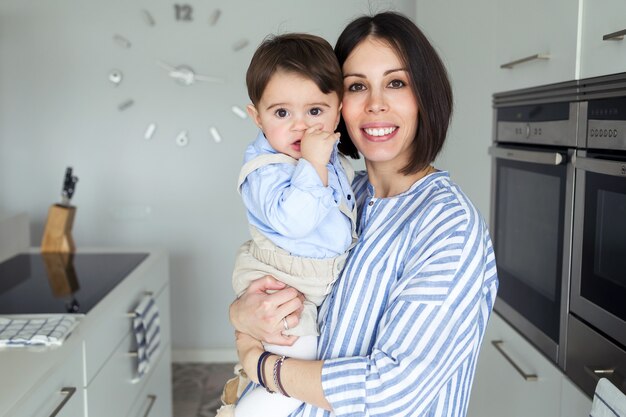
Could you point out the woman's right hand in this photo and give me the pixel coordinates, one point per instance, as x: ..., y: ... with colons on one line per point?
x: 260, y: 314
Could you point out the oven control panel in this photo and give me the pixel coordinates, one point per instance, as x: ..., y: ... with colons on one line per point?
x: 540, y: 124
x: 606, y: 123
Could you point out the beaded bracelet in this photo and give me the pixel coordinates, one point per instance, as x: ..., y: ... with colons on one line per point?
x: 277, y: 366
x: 259, y: 369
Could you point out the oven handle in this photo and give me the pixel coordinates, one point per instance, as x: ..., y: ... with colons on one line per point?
x: 599, y: 166
x: 545, y: 158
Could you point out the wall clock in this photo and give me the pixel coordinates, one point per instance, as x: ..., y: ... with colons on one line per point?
x: 183, y: 73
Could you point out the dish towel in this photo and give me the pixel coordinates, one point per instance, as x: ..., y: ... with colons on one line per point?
x: 35, y: 331
x: 608, y: 401
x: 147, y: 329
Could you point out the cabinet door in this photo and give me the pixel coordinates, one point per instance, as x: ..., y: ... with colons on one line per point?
x: 60, y: 391
x: 156, y: 399
x: 599, y: 56
x: 536, y: 42
x: 574, y: 402
x: 501, y: 390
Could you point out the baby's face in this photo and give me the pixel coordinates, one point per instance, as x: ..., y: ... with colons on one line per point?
x: 291, y: 104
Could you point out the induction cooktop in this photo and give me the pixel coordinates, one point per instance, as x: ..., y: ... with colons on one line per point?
x: 52, y: 283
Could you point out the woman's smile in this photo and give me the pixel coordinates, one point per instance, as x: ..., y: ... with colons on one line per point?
x: 379, y: 133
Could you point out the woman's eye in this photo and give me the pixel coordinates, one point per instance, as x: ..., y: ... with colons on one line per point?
x: 315, y: 111
x: 397, y: 84
x: 282, y: 113
x: 356, y: 87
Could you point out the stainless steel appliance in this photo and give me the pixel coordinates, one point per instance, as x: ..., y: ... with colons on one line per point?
x: 597, y: 324
x: 531, y: 210
x: 54, y: 283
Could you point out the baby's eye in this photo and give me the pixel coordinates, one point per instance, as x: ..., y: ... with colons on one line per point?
x: 397, y: 84
x: 315, y: 111
x: 356, y: 87
x: 282, y: 113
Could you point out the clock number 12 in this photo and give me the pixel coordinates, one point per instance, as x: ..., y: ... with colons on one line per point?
x: 183, y: 12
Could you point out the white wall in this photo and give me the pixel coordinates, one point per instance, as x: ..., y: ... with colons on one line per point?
x: 58, y: 109
x: 462, y: 33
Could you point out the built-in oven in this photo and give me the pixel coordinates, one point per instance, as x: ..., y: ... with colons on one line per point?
x: 531, y: 212
x: 597, y: 324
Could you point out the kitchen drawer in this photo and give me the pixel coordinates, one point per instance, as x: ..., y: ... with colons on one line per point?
x: 156, y: 398
x: 117, y: 378
x: 590, y: 356
x: 502, y: 390
x: 108, y: 322
x: 61, y: 388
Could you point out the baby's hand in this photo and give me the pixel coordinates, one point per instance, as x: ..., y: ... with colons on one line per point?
x: 317, y: 145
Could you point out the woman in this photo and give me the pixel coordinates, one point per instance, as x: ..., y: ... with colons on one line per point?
x: 401, y: 330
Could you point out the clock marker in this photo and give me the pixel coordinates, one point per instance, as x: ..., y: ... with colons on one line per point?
x: 148, y: 18
x: 240, y: 44
x: 126, y: 104
x: 216, y: 135
x: 122, y: 41
x: 215, y: 16
x: 239, y: 112
x: 181, y: 139
x: 149, y: 131
x: 116, y: 76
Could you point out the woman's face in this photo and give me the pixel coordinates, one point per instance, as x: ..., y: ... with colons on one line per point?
x: 379, y: 107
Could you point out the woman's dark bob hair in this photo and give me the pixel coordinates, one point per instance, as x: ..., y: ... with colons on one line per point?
x: 427, y: 76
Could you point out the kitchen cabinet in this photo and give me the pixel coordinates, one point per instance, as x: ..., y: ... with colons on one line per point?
x: 535, y: 42
x: 574, y: 402
x: 535, y: 388
x: 512, y: 378
x: 156, y: 399
x: 603, y: 19
x: 110, y: 365
x: 101, y: 365
x: 36, y: 383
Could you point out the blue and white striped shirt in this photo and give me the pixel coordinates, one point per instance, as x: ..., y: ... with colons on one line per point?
x: 401, y: 330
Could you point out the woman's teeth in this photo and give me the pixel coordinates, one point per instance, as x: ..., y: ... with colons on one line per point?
x: 380, y: 131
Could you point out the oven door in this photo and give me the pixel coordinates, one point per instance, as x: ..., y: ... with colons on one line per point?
x: 531, y: 219
x: 599, y: 261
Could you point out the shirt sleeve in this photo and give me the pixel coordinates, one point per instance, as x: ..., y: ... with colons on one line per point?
x: 291, y: 201
x: 428, y: 335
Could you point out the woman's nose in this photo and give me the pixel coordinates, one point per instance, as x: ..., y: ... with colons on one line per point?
x: 377, y: 103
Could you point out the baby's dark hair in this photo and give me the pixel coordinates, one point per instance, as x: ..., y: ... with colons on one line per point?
x: 307, y: 55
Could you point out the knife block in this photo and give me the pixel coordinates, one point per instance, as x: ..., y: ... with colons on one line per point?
x: 57, y: 235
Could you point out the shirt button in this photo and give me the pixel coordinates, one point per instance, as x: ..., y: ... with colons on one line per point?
x: 349, y: 197
x: 371, y: 203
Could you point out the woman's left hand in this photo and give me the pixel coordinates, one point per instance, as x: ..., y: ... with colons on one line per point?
x: 249, y: 350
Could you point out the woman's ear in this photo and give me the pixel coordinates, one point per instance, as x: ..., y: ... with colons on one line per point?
x: 254, y: 115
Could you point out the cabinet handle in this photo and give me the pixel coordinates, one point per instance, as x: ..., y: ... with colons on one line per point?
x: 67, y: 393
x: 152, y: 398
x: 132, y: 314
x: 527, y: 377
x: 609, y: 374
x: 615, y: 36
x: 535, y: 57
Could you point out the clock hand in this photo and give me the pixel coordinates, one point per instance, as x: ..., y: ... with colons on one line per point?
x: 206, y: 78
x: 186, y: 75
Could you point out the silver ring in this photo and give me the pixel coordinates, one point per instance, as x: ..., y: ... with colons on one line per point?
x: 285, y: 325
